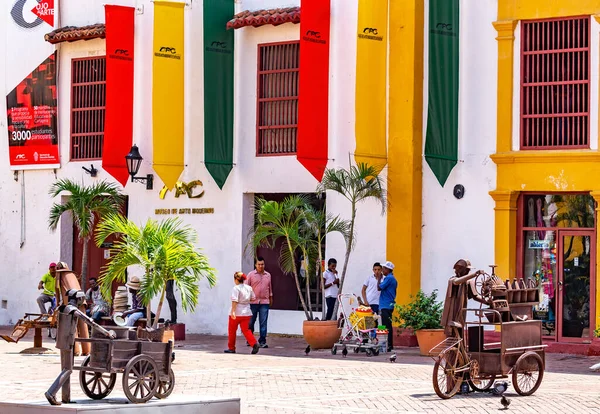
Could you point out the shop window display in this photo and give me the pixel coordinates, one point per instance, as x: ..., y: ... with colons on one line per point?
x: 542, y: 217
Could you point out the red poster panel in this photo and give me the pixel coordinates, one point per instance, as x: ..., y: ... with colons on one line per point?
x: 31, y: 113
x: 313, y: 97
x: 118, y: 124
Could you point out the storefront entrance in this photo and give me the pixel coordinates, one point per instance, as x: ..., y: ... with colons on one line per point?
x: 557, y: 243
x: 576, y: 285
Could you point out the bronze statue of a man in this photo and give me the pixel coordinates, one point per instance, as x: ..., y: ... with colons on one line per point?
x: 457, y: 295
x: 68, y: 317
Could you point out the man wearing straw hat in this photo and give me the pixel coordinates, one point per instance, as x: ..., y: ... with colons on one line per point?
x: 137, y: 311
x: 65, y: 281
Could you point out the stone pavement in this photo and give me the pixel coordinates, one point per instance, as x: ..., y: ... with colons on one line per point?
x: 282, y: 379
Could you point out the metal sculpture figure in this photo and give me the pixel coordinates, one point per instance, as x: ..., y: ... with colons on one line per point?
x: 68, y: 317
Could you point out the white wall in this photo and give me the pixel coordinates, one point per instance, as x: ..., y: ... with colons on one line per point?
x: 221, y: 234
x: 452, y: 228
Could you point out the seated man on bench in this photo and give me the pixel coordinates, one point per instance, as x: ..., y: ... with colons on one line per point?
x: 47, y: 283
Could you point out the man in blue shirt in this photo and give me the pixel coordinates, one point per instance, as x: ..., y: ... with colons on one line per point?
x: 387, y: 286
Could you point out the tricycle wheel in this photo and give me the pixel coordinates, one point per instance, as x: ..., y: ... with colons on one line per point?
x: 96, y: 385
x: 446, y: 381
x: 165, y: 388
x: 333, y: 350
x: 483, y: 384
x: 140, y: 379
x: 368, y: 352
x: 375, y: 351
x: 528, y: 373
x: 357, y: 349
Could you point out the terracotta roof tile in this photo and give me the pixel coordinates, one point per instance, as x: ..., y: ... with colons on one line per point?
x: 259, y: 18
x: 73, y: 33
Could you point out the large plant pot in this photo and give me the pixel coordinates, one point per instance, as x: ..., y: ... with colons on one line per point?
x: 428, y: 338
x: 321, y: 334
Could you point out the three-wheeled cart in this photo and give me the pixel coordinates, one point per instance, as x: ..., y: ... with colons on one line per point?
x: 145, y: 367
x: 467, y: 356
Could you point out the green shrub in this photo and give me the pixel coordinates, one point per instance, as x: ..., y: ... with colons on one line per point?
x: 423, y: 312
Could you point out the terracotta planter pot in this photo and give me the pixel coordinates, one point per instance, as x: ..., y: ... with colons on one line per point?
x: 321, y: 334
x: 428, y: 338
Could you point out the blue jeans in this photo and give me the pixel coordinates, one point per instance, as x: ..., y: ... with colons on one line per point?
x: 133, y: 318
x: 375, y: 308
x: 262, y: 311
x: 97, y: 316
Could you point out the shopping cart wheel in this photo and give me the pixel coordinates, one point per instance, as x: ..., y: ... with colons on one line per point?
x: 375, y: 351
x: 369, y: 352
x: 333, y: 350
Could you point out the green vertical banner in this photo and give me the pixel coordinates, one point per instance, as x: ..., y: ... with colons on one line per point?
x: 441, y: 143
x: 218, y: 89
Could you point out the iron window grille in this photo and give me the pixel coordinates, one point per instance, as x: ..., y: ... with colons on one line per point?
x: 277, y: 103
x: 555, y: 83
x: 88, y: 104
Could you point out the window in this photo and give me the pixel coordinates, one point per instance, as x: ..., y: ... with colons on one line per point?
x: 88, y: 101
x: 277, y: 112
x: 555, y: 83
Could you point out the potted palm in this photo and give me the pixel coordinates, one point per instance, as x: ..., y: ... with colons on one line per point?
x: 166, y: 251
x: 359, y: 183
x: 85, y: 204
x: 423, y: 315
x: 302, y: 230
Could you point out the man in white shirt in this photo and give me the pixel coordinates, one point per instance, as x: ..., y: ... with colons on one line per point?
x: 370, y: 293
x: 332, y: 284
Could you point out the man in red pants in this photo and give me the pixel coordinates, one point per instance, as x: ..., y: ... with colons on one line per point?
x: 240, y: 314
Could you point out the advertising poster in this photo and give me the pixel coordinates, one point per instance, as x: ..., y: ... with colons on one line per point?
x: 29, y: 84
x: 31, y: 119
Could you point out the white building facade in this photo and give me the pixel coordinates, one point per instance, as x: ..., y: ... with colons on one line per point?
x: 426, y: 228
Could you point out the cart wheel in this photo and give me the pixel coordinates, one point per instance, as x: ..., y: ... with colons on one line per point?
x: 333, y: 350
x: 528, y: 373
x: 375, y: 351
x: 446, y: 381
x: 96, y: 385
x: 483, y: 384
x: 165, y: 388
x: 369, y: 352
x: 140, y: 379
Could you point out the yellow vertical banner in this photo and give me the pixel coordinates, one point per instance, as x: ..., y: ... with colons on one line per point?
x: 167, y: 91
x: 371, y: 65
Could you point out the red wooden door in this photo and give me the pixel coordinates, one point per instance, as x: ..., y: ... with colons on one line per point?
x: 97, y: 256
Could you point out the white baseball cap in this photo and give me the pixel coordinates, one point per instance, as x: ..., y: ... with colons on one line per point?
x: 389, y: 265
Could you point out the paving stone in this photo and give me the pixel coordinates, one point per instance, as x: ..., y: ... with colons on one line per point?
x: 281, y: 379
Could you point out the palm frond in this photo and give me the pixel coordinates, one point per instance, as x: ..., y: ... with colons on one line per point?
x: 166, y: 250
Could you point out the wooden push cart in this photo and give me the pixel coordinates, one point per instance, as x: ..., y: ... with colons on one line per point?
x: 145, y: 367
x: 466, y: 356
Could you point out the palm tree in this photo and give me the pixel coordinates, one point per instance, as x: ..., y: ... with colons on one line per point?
x: 361, y: 182
x: 302, y: 228
x: 320, y: 224
x: 166, y: 250
x: 84, y: 204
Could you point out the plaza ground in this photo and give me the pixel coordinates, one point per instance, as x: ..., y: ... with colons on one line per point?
x: 281, y: 379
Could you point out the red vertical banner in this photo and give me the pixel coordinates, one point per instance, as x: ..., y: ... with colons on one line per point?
x: 118, y: 124
x: 313, y: 95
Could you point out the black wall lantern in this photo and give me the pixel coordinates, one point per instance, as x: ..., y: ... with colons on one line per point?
x: 134, y: 161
